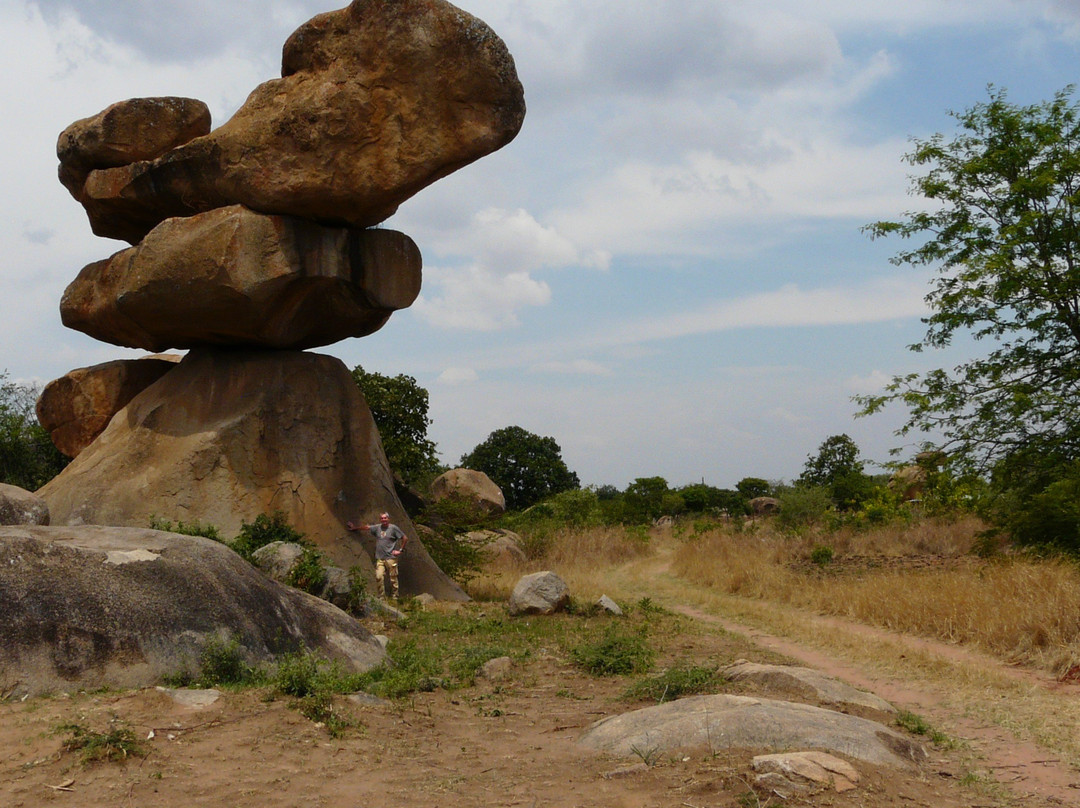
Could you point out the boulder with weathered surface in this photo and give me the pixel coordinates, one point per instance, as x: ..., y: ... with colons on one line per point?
x: 473, y: 488
x: 21, y: 507
x: 229, y: 435
x: 86, y: 607
x: 735, y: 722
x: 277, y: 559
x: 232, y: 277
x: 376, y: 101
x: 539, y: 593
x: 806, y: 683
x: 77, y: 407
x: 764, y: 506
x: 128, y: 132
x: 791, y: 773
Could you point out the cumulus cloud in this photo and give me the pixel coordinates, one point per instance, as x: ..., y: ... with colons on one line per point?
x: 504, y: 249
x: 167, y: 31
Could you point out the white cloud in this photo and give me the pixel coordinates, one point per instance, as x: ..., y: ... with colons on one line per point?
x: 478, y: 299
x: 585, y: 367
x: 458, y: 376
x: 504, y: 249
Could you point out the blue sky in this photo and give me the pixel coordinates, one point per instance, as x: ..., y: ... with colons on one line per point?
x: 664, y: 271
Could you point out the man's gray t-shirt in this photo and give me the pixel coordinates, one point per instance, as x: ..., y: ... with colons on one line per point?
x: 386, y: 540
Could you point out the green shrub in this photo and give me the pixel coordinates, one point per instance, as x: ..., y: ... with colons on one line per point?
x: 618, y: 652
x: 263, y: 531
x: 821, y: 555
x: 222, y: 663
x: 308, y: 573
x: 196, y: 528
x: 685, y: 680
x: 803, y: 506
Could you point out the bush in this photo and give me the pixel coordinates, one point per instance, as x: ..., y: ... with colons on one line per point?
x: 803, y: 506
x: 263, y: 531
x: 821, y: 555
x: 308, y: 573
x: 207, y: 531
x: 618, y: 652
x: 117, y: 743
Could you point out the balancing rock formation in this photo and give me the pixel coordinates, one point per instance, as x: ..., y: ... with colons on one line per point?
x: 250, y: 245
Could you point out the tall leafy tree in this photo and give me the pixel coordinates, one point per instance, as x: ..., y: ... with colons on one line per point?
x: 28, y: 457
x: 1002, y: 234
x: 837, y: 456
x: 399, y: 407
x: 526, y: 466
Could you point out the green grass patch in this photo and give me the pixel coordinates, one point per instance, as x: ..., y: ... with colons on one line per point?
x: 677, y: 681
x: 620, y: 651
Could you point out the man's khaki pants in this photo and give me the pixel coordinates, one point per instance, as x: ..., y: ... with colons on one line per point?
x: 384, y: 567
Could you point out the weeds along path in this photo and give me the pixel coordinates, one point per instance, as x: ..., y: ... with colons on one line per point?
x: 1020, y: 725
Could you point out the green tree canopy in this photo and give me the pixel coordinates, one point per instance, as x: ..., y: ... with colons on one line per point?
x: 525, y: 466
x: 28, y: 457
x: 1002, y: 235
x: 400, y: 408
x: 837, y: 456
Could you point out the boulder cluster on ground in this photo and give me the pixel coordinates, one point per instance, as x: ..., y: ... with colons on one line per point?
x: 94, y: 606
x: 251, y: 243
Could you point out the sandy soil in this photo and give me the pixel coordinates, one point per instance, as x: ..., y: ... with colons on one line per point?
x: 495, y: 744
x: 498, y: 743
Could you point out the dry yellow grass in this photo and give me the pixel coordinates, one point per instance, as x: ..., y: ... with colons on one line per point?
x: 1021, y: 610
x: 581, y: 557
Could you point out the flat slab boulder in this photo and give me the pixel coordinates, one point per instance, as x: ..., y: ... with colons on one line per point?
x: 233, y: 277
x: 77, y: 407
x: 229, y: 435
x: 21, y: 507
x: 376, y: 101
x: 807, y: 683
x: 727, y: 722
x: 87, y: 607
x: 127, y: 132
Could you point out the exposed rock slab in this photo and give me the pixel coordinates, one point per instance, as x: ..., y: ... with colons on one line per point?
x: 790, y: 772
x: 472, y: 487
x: 226, y: 436
x: 21, y: 507
x: 539, y: 593
x: 807, y: 683
x: 121, y: 607
x: 725, y: 722
x: 376, y: 101
x: 77, y: 407
x: 232, y: 277
x: 127, y: 132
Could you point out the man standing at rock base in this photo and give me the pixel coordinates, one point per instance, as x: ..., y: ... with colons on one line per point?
x: 387, y: 551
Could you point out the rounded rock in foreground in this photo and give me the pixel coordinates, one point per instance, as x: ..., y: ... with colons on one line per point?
x: 539, y: 593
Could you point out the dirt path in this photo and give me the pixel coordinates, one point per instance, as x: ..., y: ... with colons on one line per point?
x: 1022, y: 767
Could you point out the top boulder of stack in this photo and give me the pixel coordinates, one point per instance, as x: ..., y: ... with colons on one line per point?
x: 376, y: 101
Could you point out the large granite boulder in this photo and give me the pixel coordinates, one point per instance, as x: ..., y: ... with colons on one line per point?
x: 738, y: 722
x: 376, y: 101
x: 77, y: 407
x: 87, y: 607
x: 229, y: 435
x: 237, y: 278
x: 127, y: 132
x: 471, y: 487
x: 539, y: 593
x: 21, y: 507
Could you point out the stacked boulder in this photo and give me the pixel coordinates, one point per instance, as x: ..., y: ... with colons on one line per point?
x: 252, y: 243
